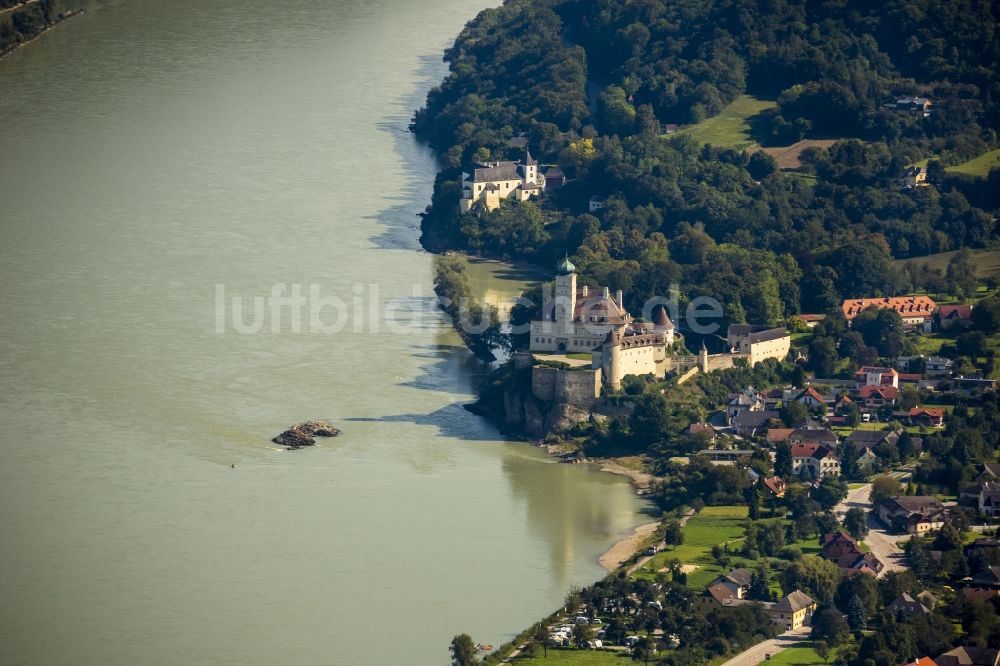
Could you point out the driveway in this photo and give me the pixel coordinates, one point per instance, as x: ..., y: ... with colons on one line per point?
x: 756, y: 654
x: 881, y: 543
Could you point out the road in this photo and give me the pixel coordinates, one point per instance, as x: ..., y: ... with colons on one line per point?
x: 756, y: 654
x: 879, y: 542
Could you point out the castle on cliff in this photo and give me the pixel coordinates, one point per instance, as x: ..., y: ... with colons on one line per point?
x: 580, y: 320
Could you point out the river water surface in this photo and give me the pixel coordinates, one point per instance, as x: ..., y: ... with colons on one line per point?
x: 154, y: 154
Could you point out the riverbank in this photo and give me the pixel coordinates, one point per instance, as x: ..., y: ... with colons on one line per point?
x: 627, y: 547
x: 62, y: 18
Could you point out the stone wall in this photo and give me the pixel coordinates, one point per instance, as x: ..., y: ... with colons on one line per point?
x: 578, y: 388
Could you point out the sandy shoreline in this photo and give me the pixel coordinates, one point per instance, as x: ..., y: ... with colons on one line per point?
x: 627, y: 547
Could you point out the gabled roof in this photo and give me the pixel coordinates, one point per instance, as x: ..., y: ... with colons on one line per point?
x: 988, y: 576
x: 907, y: 605
x: 955, y: 312
x: 883, y: 392
x: 775, y: 484
x: 967, y: 655
x: 810, y: 392
x: 876, y: 370
x: 933, y: 412
x: 868, y: 437
x: 750, y: 419
x: 739, y: 577
x: 810, y: 450
x: 793, y: 602
x: 775, y: 435
x: 906, y: 306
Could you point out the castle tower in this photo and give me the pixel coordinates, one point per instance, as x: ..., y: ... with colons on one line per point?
x: 613, y: 356
x: 529, y: 168
x: 565, y: 293
x: 703, y: 357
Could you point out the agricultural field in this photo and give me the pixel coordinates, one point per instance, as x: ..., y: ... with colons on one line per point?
x: 800, y: 655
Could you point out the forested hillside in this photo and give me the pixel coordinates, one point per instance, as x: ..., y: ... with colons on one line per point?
x: 593, y: 83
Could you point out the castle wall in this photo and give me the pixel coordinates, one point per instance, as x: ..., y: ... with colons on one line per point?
x: 777, y: 348
x: 579, y: 388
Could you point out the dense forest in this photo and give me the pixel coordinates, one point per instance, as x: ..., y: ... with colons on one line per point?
x: 592, y: 84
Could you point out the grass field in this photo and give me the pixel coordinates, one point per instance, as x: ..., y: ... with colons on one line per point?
x: 713, y: 526
x: 577, y: 658
x: 800, y: 655
x: 987, y: 262
x: 978, y: 166
x: 731, y: 128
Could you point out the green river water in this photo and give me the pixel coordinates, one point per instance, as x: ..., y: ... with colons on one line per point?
x: 152, y: 154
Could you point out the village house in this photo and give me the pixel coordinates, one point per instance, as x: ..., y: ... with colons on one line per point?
x: 554, y: 178
x: 915, y: 514
x: 916, y: 311
x: 748, y: 424
x: 746, y: 400
x: 936, y: 366
x: 810, y: 397
x: 904, y: 606
x: 913, y: 104
x: 867, y: 462
x: 872, y: 438
x: 914, y: 176
x: 792, y: 611
x: 930, y: 417
x: 775, y: 487
x: 842, y: 549
x: 876, y: 376
x: 492, y: 182
x: 968, y: 655
x: 877, y: 397
x: 988, y: 578
x: 811, y: 320
x: 810, y: 431
x: 778, y: 435
x: 596, y: 203
x: 989, y: 499
x: 954, y: 316
x: 815, y: 459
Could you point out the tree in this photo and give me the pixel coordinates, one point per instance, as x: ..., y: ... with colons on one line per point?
x: 582, y: 633
x: 823, y: 650
x: 813, y: 574
x: 831, y: 491
x: 856, y: 523
x: 857, y: 615
x: 541, y: 637
x: 783, y: 460
x: 881, y: 328
x: 792, y: 413
x: 673, y: 533
x: 986, y: 314
x: 884, y: 487
x: 759, y: 590
x: 463, y: 651
x: 643, y: 650
x: 828, y: 625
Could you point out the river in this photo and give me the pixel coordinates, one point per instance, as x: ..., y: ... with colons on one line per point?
x: 158, y: 158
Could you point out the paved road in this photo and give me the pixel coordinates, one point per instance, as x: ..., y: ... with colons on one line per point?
x: 881, y: 543
x: 756, y: 654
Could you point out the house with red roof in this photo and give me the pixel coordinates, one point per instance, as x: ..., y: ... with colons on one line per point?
x: 872, y: 375
x: 954, y: 316
x: 915, y: 311
x: 815, y: 457
x: 931, y: 417
x: 876, y: 397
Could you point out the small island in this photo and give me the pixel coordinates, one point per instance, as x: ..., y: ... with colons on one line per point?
x: 305, y: 434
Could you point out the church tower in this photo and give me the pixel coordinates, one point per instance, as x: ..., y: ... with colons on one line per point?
x: 565, y: 293
x: 529, y: 168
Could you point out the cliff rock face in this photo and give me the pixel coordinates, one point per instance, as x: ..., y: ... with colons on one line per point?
x: 511, y: 399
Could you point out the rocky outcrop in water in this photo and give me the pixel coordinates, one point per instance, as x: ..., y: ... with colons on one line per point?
x: 305, y: 434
